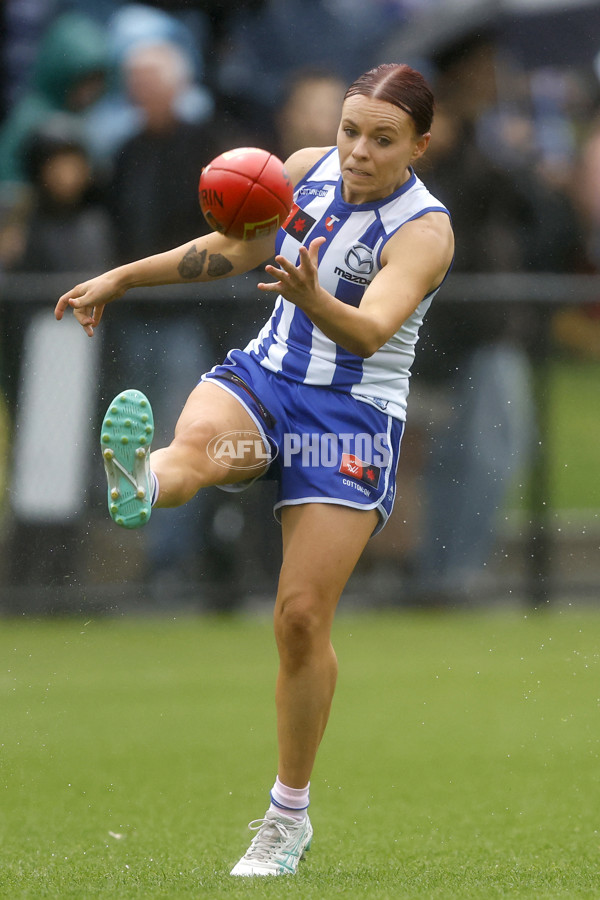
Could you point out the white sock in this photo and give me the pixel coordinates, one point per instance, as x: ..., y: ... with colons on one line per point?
x: 154, y: 488
x: 292, y: 802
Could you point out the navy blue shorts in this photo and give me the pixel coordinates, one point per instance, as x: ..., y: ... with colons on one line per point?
x: 325, y: 446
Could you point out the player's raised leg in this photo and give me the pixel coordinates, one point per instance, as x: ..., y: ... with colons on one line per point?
x: 321, y: 546
x: 138, y: 479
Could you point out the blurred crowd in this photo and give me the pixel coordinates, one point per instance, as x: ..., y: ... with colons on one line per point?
x: 110, y: 109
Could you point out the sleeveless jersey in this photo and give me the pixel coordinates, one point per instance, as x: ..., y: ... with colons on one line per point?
x: 290, y: 344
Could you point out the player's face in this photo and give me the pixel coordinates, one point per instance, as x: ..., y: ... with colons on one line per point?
x: 377, y: 142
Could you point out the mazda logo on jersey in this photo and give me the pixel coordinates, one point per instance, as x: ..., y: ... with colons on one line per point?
x: 359, y: 259
x: 298, y: 223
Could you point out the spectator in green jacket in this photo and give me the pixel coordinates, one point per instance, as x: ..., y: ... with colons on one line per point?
x: 69, y: 75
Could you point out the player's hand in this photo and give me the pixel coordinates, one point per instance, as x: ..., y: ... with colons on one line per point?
x: 87, y: 300
x: 298, y: 284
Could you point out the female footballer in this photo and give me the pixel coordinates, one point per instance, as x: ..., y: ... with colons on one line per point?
x: 356, y: 267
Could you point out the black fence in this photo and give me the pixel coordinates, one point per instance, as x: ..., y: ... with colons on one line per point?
x: 78, y: 561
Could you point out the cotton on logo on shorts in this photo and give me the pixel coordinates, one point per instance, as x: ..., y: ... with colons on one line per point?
x: 240, y: 450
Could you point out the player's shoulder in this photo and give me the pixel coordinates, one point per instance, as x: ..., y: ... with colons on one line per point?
x: 302, y: 161
x: 429, y: 235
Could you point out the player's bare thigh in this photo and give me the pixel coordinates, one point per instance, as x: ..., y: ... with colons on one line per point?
x: 322, y: 542
x: 208, y: 413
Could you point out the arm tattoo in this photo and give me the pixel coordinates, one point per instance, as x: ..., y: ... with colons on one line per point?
x: 192, y: 264
x: 218, y: 265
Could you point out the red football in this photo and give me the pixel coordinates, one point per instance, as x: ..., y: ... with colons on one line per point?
x: 245, y: 193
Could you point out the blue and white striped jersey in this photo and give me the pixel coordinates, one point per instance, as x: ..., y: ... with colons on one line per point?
x: 289, y: 343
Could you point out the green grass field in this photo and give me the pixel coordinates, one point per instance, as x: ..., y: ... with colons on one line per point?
x: 461, y: 759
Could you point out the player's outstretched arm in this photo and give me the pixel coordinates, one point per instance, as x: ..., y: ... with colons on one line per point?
x: 207, y: 258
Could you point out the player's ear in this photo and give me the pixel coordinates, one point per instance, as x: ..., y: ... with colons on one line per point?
x: 420, y: 146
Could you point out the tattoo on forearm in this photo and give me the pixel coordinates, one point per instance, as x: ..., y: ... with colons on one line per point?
x: 218, y: 265
x: 192, y: 264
